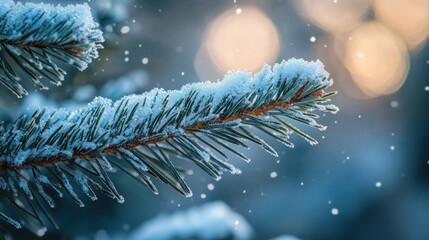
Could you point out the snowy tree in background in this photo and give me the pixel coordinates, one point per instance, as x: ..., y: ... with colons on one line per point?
x: 52, y: 152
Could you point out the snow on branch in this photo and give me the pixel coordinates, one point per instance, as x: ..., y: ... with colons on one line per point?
x: 32, y: 35
x: 213, y: 220
x: 147, y: 135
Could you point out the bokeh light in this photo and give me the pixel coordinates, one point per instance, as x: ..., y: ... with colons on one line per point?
x: 408, y: 18
x: 244, y: 40
x: 334, y: 15
x: 361, y: 46
x: 376, y: 59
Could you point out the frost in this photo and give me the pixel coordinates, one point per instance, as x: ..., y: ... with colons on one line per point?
x: 81, y: 180
x: 136, y: 162
x: 10, y: 220
x: 23, y: 184
x: 133, y: 126
x: 42, y: 192
x: 33, y: 34
x: 69, y: 188
x: 18, y: 22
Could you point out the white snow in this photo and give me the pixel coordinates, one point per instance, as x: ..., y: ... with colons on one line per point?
x: 211, y: 221
x: 295, y: 72
x: 42, y: 20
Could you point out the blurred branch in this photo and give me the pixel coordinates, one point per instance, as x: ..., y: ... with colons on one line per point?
x: 213, y: 220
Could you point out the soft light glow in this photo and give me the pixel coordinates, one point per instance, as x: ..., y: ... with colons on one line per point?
x: 408, y: 18
x: 376, y: 59
x: 334, y: 16
x: 242, y: 41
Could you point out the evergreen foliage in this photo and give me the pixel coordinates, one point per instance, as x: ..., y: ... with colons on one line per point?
x: 52, y: 152
x: 34, y: 36
x: 58, y: 152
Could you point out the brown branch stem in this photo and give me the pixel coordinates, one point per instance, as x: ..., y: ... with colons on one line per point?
x: 41, y: 45
x: 137, y: 141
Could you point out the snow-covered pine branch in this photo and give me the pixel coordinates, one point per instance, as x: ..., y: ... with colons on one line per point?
x: 140, y: 134
x: 33, y: 35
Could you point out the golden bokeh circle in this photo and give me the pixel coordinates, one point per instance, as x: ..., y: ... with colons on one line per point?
x: 334, y: 15
x: 408, y: 18
x: 244, y: 39
x: 376, y: 58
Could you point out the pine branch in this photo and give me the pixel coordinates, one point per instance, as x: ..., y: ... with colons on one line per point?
x: 141, y: 134
x: 33, y: 35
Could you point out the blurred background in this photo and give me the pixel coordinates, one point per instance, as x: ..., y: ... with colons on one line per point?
x: 368, y: 178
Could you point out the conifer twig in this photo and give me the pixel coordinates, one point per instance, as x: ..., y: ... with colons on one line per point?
x: 33, y: 35
x: 140, y: 134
